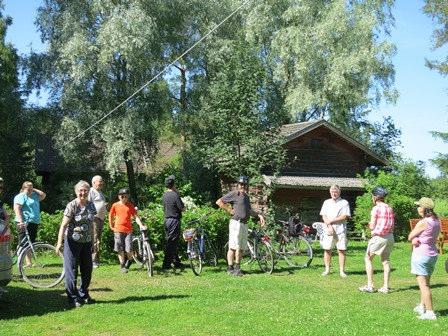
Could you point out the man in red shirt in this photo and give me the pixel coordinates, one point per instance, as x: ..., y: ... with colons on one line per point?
x: 120, y: 221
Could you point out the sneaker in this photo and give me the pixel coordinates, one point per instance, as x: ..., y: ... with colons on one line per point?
x: 427, y: 315
x: 383, y: 290
x: 88, y: 300
x: 343, y: 275
x: 366, y: 289
x: 325, y: 273
x: 124, y: 270
x: 128, y: 263
x: 74, y: 303
x: 237, y: 272
x: 95, y: 265
x: 419, y: 309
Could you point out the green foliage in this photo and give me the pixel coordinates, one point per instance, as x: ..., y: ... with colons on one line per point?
x: 405, y: 184
x: 232, y: 134
x: 438, y: 10
x: 441, y: 207
x: 16, y: 140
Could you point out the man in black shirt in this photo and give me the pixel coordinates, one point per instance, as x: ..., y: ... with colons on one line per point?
x: 172, y: 207
x: 237, y: 203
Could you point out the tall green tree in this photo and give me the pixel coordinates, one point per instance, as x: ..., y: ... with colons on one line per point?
x: 16, y: 147
x: 438, y: 10
x: 233, y: 133
x: 100, y: 52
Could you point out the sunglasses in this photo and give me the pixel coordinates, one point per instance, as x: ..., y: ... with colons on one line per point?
x: 123, y: 195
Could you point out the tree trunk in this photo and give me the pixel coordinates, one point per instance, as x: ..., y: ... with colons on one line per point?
x: 131, y: 178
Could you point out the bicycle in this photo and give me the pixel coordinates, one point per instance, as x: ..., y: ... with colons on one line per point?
x: 258, y: 250
x: 200, y: 250
x: 142, y: 252
x: 291, y: 245
x: 45, y: 269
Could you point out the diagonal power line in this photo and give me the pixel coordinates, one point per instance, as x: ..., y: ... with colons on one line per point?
x: 159, y: 74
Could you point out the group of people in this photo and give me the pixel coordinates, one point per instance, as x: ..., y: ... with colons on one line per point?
x: 335, y: 212
x: 84, y: 217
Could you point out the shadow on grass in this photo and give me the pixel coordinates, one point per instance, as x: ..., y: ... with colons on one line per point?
x: 23, y: 302
x: 363, y: 272
x: 415, y: 287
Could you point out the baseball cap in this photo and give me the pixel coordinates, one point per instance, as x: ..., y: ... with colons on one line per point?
x: 123, y: 191
x: 425, y: 202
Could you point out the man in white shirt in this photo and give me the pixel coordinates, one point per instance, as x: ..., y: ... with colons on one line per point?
x: 98, y: 199
x: 335, y: 212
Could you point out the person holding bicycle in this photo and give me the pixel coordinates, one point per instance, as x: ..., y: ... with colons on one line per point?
x: 381, y: 223
x: 172, y: 209
x: 27, y: 211
x: 76, y: 231
x: 120, y: 221
x: 335, y: 212
x: 237, y: 203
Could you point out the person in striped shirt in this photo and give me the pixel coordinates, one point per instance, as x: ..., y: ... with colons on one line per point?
x: 382, y: 225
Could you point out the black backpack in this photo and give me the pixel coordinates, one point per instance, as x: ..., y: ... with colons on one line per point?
x: 295, y: 227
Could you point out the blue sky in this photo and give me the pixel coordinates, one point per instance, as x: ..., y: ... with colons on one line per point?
x: 423, y: 103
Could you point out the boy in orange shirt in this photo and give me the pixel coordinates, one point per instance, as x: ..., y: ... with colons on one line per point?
x: 120, y: 221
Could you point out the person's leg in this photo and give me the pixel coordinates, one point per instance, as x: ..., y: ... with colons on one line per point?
x: 425, y: 292
x: 341, y: 254
x: 327, y: 261
x: 32, y: 232
x: 175, y: 237
x: 171, y: 242
x: 386, y: 268
x: 85, y: 267
x: 71, y: 252
x: 98, y: 225
x: 369, y: 269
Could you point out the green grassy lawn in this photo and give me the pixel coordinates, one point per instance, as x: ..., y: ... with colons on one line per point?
x: 299, y: 302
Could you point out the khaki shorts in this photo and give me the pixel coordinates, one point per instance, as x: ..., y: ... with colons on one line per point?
x: 381, y: 246
x: 329, y: 241
x: 237, y: 235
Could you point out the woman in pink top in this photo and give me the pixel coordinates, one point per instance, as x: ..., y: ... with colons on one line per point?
x: 424, y: 255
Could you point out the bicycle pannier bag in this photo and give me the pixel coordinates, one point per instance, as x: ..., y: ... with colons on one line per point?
x: 188, y: 234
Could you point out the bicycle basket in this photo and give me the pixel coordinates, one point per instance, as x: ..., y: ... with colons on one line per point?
x: 189, y: 234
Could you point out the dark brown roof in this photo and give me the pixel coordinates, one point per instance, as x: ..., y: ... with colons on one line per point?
x: 292, y: 131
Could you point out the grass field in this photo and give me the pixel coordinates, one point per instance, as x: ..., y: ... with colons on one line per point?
x: 299, y: 302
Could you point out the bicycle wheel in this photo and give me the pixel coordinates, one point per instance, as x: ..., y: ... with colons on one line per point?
x: 248, y: 257
x: 194, y: 256
x: 210, y: 256
x: 265, y: 257
x: 148, y: 258
x: 46, y: 269
x: 137, y: 251
x: 297, y: 252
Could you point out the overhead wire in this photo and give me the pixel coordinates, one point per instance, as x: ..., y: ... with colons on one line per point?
x: 211, y: 31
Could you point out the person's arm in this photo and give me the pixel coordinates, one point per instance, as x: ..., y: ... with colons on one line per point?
x: 112, y: 217
x: 260, y: 217
x: 373, y: 218
x: 65, y: 221
x: 40, y: 193
x: 139, y: 222
x: 419, y: 228
x: 225, y: 206
x: 18, y: 213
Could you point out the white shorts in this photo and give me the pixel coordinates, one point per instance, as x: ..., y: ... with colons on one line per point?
x: 237, y: 235
x: 329, y: 241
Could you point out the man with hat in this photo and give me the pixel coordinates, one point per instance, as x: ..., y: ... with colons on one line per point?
x: 172, y: 208
x: 120, y: 221
x: 237, y: 203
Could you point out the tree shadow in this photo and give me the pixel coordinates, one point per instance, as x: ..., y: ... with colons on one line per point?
x: 363, y: 272
x: 22, y: 302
